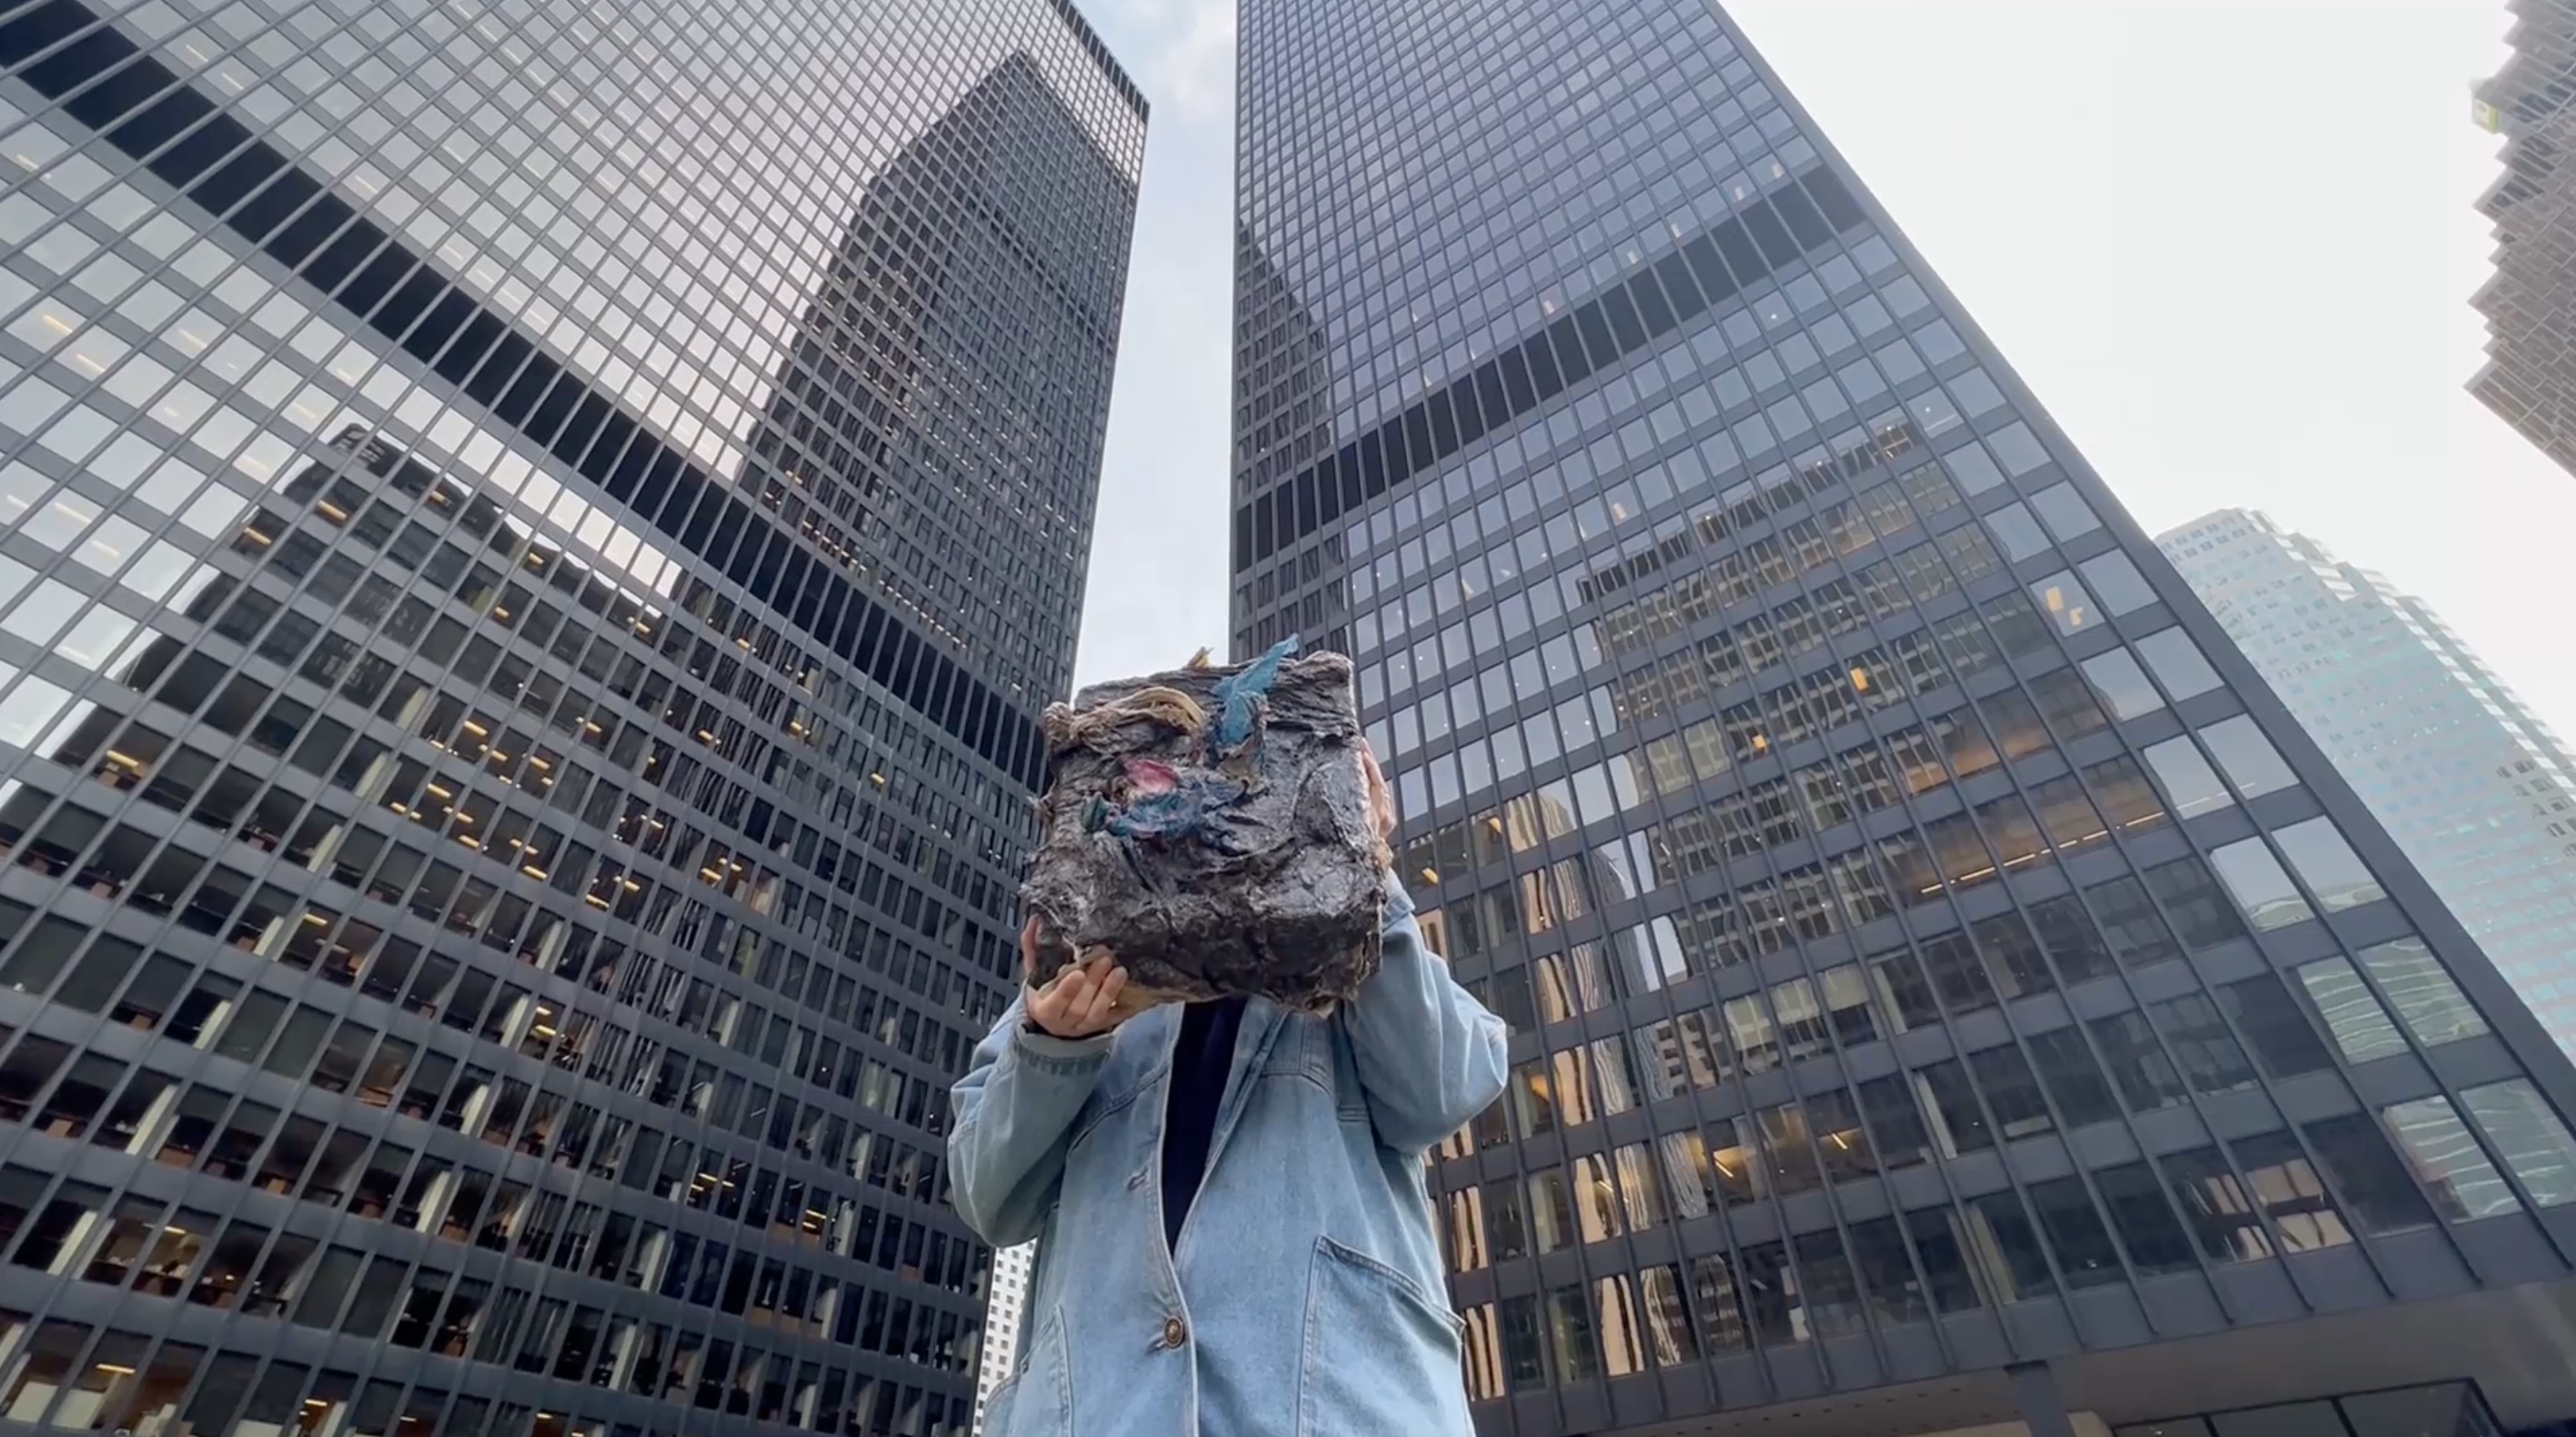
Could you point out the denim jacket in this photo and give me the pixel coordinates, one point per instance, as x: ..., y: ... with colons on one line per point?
x: 1305, y: 1294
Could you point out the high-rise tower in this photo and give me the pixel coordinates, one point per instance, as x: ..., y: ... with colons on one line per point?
x: 531, y: 539
x: 1948, y: 987
x: 2477, y: 790
x: 2529, y: 378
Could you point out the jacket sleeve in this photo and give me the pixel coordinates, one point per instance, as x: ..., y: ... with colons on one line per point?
x: 1011, y: 1120
x: 1430, y: 1057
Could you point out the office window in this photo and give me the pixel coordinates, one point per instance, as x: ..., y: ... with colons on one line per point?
x: 2287, y: 1189
x: 2202, y: 914
x: 1840, y: 1139
x: 2146, y: 1078
x: 1524, y: 1362
x: 2251, y: 763
x: 2021, y: 1270
x: 1944, y: 1239
x: 1957, y: 976
x: 1895, y: 1293
x: 2190, y: 785
x: 2332, y: 871
x: 2076, y: 1233
x: 2065, y: 512
x: 2116, y: 581
x: 2062, y: 597
x: 2261, y: 888
x: 2123, y: 686
x: 1895, y: 1123
x: 2016, y: 532
x: 2274, y: 1027
x: 2133, y: 931
x: 2145, y: 1220
x: 1623, y: 1338
x: 2073, y: 1079
x: 1506, y: 1228
x: 1719, y: 1300
x: 2177, y: 664
x: 1772, y: 1294
x: 1668, y: 1325
x: 2530, y: 1135
x: 1952, y: 1102
x: 2075, y: 944
x: 1903, y: 993
x: 1481, y: 1344
x: 1829, y: 1289
x: 1596, y: 1198
x: 2362, y: 1028
x: 1735, y: 1160
x: 1641, y: 1188
x: 2013, y: 956
x: 2203, y: 1049
x: 2012, y: 1092
x: 1551, y: 1211
x: 2445, y: 1156
x: 1573, y: 1338
x: 2217, y: 1205
x: 2433, y: 1007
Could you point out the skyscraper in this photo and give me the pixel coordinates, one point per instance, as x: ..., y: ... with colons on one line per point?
x: 1002, y: 1323
x: 1787, y: 726
x: 2468, y: 781
x: 2530, y: 305
x: 531, y: 537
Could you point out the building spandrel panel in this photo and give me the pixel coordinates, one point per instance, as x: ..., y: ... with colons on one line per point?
x: 1784, y: 721
x: 531, y: 538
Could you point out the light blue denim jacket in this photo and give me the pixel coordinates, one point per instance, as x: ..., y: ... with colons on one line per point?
x: 1306, y: 1293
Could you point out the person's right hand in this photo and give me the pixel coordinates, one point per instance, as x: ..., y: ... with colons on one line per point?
x: 1086, y: 999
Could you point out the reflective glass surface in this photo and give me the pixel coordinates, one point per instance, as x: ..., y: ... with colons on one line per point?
x: 531, y: 538
x: 1794, y: 739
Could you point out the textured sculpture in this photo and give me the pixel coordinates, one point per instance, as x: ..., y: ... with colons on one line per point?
x: 1210, y: 827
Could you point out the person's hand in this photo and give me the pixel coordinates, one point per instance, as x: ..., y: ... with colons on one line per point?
x: 1086, y: 999
x: 1381, y: 801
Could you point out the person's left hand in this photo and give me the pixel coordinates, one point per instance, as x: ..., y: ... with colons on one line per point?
x: 1381, y: 800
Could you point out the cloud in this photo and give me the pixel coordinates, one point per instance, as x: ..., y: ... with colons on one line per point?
x: 1183, y: 52
x: 1198, y: 65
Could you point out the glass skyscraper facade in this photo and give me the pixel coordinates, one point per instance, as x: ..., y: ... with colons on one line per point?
x: 532, y: 536
x: 2529, y: 378
x: 1947, y: 987
x: 2469, y: 782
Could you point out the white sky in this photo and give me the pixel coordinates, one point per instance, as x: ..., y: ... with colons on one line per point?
x: 2229, y: 243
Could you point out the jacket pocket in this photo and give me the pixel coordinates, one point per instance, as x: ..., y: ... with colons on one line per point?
x: 1380, y: 1355
x: 1037, y: 1401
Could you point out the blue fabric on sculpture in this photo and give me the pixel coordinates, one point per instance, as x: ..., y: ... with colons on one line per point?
x: 1178, y: 812
x: 1235, y: 696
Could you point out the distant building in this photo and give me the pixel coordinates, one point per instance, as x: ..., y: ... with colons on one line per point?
x: 2530, y: 305
x: 2469, y: 782
x: 1002, y: 1322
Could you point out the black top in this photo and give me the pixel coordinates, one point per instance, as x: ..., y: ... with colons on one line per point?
x: 1201, y: 1061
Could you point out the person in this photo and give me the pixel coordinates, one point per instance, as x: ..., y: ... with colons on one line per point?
x: 1233, y: 1235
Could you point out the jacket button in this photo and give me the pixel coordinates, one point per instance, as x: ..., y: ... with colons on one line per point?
x: 1174, y: 1332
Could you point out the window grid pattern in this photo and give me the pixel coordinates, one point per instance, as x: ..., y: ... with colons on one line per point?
x: 1900, y: 918
x: 504, y: 845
